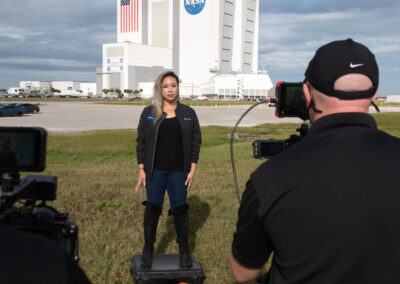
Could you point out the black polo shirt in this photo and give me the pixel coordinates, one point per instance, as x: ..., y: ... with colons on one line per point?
x: 328, y: 207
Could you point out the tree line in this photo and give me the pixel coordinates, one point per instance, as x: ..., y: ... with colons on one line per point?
x: 120, y: 94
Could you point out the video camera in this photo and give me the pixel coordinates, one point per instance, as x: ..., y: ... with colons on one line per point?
x: 289, y: 101
x: 24, y: 149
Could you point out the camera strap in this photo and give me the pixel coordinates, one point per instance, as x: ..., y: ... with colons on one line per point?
x: 312, y: 105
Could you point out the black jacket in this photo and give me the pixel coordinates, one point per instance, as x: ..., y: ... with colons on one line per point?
x: 148, y: 132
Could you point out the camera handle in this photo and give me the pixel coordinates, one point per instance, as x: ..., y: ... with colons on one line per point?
x: 8, y: 180
x: 21, y: 187
x: 303, y: 129
x: 293, y: 139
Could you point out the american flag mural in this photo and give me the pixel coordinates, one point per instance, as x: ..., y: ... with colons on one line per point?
x: 129, y: 16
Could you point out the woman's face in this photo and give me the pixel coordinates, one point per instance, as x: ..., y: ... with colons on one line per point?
x: 169, y: 89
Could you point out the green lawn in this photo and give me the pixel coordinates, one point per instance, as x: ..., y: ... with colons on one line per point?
x: 96, y: 178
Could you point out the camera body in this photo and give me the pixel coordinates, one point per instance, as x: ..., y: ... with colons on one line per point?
x: 289, y: 102
x: 24, y: 149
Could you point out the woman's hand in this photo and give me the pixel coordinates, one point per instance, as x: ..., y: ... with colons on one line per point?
x: 141, y: 179
x: 189, y: 180
x: 190, y: 176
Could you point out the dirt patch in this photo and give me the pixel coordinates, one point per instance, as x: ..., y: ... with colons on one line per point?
x: 250, y: 136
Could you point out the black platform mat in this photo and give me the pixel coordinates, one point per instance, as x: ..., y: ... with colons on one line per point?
x: 166, y: 270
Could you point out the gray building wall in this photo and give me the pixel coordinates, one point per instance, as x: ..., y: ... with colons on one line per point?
x: 226, y: 32
x: 99, y: 80
x: 143, y: 74
x: 136, y: 74
x: 160, y: 31
x: 115, y: 80
x: 145, y: 19
x: 249, y: 18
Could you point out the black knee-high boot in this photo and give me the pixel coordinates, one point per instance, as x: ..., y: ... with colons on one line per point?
x: 181, y: 221
x: 151, y: 215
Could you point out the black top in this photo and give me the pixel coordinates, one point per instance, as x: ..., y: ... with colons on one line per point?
x: 27, y: 258
x: 328, y: 207
x: 169, y: 150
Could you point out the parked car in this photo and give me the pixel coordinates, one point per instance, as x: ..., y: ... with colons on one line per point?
x: 11, y: 110
x: 30, y: 108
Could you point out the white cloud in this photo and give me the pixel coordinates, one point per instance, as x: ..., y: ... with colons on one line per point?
x: 288, y: 40
x: 45, y: 61
x: 287, y: 60
x: 18, y: 33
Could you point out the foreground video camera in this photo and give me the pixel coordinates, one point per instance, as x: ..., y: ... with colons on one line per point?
x: 289, y: 102
x: 24, y: 149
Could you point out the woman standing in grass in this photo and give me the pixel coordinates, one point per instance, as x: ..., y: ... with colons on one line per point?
x: 168, y: 146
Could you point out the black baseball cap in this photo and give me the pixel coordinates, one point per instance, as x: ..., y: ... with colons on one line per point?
x: 339, y: 58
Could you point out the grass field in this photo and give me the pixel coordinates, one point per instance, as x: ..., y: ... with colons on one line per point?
x: 96, y: 178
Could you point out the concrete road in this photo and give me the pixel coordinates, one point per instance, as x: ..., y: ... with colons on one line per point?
x: 88, y: 116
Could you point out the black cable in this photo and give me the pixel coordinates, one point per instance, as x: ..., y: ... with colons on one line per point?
x: 376, y: 107
x: 231, y: 145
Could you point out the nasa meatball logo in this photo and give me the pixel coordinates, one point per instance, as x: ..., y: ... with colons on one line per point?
x: 194, y: 7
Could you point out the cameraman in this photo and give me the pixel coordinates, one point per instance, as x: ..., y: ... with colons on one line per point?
x: 328, y: 207
x: 28, y: 258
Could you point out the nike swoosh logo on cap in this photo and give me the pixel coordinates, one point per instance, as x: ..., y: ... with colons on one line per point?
x: 356, y: 65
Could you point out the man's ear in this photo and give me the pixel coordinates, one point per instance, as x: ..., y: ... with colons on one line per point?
x: 307, y: 95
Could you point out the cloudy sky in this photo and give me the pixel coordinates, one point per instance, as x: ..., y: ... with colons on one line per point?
x: 61, y: 40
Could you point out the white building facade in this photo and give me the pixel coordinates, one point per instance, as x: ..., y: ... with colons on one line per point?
x: 203, y: 41
x: 67, y: 88
x: 39, y: 86
x: 393, y: 99
x: 75, y: 88
x: 13, y: 90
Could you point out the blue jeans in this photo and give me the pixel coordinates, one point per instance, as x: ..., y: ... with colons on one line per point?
x: 173, y: 182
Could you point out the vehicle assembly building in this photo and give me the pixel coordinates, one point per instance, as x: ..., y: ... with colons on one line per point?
x: 211, y: 44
